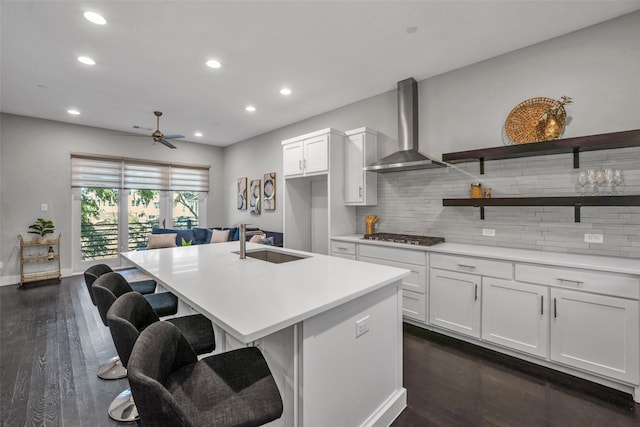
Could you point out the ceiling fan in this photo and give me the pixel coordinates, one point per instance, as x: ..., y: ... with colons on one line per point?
x: 159, y: 136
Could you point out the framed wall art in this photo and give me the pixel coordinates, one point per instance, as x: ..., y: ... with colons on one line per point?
x: 242, y: 193
x: 269, y: 192
x: 255, y: 191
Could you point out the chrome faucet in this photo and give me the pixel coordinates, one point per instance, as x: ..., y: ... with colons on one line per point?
x: 243, y: 239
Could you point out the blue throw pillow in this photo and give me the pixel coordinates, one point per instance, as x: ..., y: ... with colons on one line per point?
x: 200, y: 235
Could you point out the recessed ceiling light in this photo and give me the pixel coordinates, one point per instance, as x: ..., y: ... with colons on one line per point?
x: 198, y: 134
x: 213, y: 63
x: 96, y: 18
x: 250, y: 108
x: 73, y: 112
x: 86, y: 60
x: 285, y: 91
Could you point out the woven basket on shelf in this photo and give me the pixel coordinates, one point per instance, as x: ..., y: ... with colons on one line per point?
x: 523, y: 124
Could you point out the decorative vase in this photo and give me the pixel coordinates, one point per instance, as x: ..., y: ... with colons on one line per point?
x: 552, y: 129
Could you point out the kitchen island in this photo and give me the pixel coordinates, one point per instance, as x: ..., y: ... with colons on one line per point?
x: 330, y: 329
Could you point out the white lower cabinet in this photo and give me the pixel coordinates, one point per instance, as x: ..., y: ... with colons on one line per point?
x: 596, y: 333
x: 516, y: 315
x: 454, y: 301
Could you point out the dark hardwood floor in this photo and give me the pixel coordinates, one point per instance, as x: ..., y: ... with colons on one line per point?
x: 52, y: 341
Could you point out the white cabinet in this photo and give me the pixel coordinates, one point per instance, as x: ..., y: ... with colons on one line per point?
x: 516, y: 315
x: 344, y: 250
x: 313, y: 194
x: 306, y: 156
x: 596, y: 333
x: 361, y: 149
x: 454, y: 301
x: 413, y: 286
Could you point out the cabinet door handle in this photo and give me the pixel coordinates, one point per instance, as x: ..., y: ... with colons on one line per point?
x: 305, y: 163
x: 299, y: 164
x: 472, y: 267
x: 555, y: 308
x: 360, y: 191
x: 541, y: 304
x: 577, y: 282
x: 475, y: 297
x: 341, y: 248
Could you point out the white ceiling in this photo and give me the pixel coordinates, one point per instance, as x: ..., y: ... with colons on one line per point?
x: 151, y: 56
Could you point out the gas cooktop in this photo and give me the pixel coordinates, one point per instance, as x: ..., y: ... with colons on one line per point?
x: 405, y: 238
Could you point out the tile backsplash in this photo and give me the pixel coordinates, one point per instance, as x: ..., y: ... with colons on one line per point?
x: 411, y: 202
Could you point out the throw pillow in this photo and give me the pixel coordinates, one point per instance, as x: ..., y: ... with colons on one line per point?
x: 257, y: 238
x: 157, y: 241
x: 219, y: 236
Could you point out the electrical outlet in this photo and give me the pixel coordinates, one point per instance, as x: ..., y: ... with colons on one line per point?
x: 44, y: 207
x: 593, y: 238
x: 489, y: 232
x: 362, y: 326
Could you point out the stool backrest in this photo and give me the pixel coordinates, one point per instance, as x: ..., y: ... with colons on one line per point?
x: 91, y: 274
x: 160, y: 350
x: 129, y: 315
x: 106, y: 289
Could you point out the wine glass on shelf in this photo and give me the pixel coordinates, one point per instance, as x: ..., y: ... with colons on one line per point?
x: 618, y: 179
x: 591, y: 179
x: 608, y: 179
x: 582, y: 181
x: 600, y: 180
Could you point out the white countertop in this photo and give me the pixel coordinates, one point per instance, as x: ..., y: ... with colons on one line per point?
x: 591, y: 262
x: 251, y: 298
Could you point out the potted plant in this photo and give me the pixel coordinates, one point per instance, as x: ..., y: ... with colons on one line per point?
x: 42, y: 227
x: 552, y: 127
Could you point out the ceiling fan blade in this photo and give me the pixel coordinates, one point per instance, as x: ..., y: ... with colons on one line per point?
x: 129, y: 134
x: 173, y: 136
x: 167, y: 143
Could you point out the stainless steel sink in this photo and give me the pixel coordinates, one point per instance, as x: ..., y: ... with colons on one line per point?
x: 273, y: 256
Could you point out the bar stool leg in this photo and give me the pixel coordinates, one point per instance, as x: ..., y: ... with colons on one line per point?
x: 112, y: 369
x: 123, y: 408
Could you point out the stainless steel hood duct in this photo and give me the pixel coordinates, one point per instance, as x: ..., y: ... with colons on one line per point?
x: 408, y: 157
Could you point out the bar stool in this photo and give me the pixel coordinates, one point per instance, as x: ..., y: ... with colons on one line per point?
x: 113, y: 369
x: 129, y: 315
x: 106, y: 290
x: 172, y: 387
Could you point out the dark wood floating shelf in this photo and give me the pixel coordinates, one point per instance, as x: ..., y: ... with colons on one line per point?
x: 576, y: 201
x: 605, y: 141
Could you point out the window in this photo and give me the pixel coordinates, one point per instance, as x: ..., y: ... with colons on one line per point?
x: 117, y: 202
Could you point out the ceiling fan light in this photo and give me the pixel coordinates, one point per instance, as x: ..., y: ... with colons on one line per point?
x: 73, y: 112
x: 213, y: 63
x: 198, y: 134
x: 86, y: 60
x: 94, y: 17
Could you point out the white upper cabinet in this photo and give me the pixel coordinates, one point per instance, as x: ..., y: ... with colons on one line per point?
x: 307, y: 155
x: 361, y: 148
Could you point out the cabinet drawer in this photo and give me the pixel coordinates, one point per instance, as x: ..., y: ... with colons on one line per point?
x: 345, y: 256
x: 414, y: 306
x: 591, y: 281
x: 393, y: 254
x: 484, y: 267
x: 417, y: 279
x: 345, y: 248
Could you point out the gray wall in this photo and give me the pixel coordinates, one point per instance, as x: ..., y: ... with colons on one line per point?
x: 35, y: 165
x: 465, y: 109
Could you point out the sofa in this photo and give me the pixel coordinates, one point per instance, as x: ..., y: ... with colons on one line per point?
x: 199, y: 236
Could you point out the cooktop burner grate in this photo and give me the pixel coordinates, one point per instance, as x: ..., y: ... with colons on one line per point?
x: 405, y: 238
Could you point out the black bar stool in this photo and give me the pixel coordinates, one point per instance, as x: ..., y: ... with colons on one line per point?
x: 172, y: 387
x: 129, y: 315
x: 113, y: 369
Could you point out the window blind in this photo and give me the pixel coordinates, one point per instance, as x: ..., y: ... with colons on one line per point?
x: 89, y: 171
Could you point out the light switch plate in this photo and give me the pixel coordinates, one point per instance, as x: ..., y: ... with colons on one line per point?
x: 362, y: 326
x: 593, y: 238
x: 489, y: 232
x: 44, y: 207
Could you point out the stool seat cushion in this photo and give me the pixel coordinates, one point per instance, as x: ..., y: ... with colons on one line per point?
x: 163, y: 303
x: 143, y: 286
x: 229, y: 389
x: 198, y: 331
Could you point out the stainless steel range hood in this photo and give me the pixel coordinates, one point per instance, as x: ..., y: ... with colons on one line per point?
x: 408, y: 157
